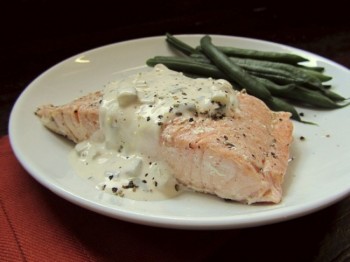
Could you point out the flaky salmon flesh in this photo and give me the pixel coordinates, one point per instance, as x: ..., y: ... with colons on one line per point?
x: 242, y: 158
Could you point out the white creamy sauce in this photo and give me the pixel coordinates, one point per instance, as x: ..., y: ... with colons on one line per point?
x: 124, y: 157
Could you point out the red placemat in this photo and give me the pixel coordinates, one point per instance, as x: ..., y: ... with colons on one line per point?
x: 37, y: 225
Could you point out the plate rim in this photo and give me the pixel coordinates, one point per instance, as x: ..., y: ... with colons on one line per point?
x: 272, y: 216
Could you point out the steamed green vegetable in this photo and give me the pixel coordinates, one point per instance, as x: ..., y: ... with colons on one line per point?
x: 234, y: 72
x: 275, y: 78
x: 261, y: 55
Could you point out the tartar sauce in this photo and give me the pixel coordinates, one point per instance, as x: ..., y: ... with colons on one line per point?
x: 125, y: 156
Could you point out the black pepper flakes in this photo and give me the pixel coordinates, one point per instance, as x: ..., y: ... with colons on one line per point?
x: 302, y: 138
x: 130, y: 185
x: 114, y: 189
x: 229, y: 145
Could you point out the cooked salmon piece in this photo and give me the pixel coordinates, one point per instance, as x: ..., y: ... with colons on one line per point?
x: 242, y: 158
x: 77, y: 120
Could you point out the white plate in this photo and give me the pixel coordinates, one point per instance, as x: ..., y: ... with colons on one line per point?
x: 318, y: 177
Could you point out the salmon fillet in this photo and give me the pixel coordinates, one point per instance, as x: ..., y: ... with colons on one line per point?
x: 242, y: 158
x: 77, y: 120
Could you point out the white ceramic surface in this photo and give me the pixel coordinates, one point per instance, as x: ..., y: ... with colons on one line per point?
x: 318, y: 176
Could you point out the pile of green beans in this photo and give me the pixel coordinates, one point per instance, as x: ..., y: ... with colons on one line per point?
x: 276, y: 78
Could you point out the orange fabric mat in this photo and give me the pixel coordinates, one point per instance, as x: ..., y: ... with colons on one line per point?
x: 37, y: 225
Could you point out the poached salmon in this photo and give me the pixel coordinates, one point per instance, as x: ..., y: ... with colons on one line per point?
x: 243, y: 157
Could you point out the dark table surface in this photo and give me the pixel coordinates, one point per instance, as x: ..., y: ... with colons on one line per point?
x: 38, y: 34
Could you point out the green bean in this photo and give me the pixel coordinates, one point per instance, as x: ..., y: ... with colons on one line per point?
x: 233, y: 71
x: 312, y: 68
x: 179, y: 45
x: 284, y: 80
x: 310, y: 97
x: 187, y: 65
x: 332, y: 95
x: 281, y: 69
x: 200, y: 58
x: 300, y: 94
x: 261, y: 55
x: 320, y: 76
x: 277, y: 104
x: 274, y: 88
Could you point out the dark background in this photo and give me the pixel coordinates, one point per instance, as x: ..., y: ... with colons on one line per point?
x: 36, y: 35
